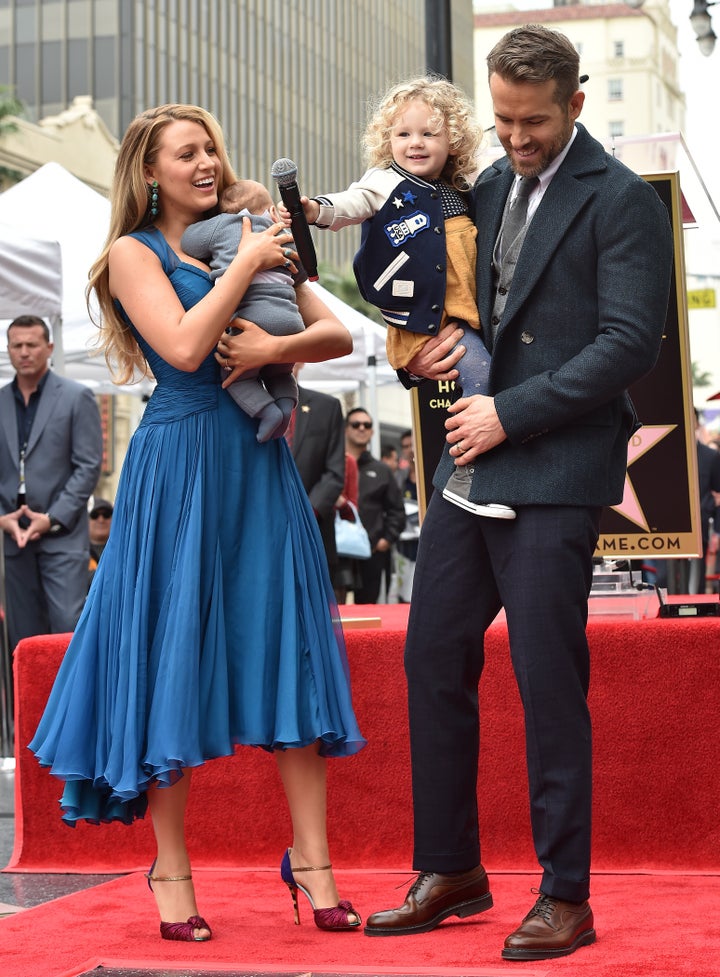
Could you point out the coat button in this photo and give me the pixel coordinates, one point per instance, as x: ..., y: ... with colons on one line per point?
x: 527, y: 337
x: 432, y: 327
x: 495, y: 319
x: 502, y: 291
x: 437, y: 230
x: 435, y: 308
x: 434, y: 195
x: 439, y: 267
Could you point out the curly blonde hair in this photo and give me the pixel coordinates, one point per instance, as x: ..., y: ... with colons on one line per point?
x: 450, y: 109
x: 130, y: 211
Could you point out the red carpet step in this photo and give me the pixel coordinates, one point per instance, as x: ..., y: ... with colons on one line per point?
x: 655, y: 701
x: 654, y: 925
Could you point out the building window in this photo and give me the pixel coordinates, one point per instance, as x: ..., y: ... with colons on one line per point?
x: 617, y: 129
x: 51, y: 90
x: 615, y: 89
x: 618, y: 49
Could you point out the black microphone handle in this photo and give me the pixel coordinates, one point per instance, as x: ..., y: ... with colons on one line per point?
x: 304, y: 244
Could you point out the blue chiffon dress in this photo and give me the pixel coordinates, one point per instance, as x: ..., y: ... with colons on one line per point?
x: 211, y: 620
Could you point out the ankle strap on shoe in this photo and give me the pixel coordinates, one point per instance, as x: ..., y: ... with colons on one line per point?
x: 169, y: 878
x: 312, y: 868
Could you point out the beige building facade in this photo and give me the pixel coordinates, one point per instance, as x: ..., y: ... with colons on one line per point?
x: 630, y: 55
x: 286, y: 78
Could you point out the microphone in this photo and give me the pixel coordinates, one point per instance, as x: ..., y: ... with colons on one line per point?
x: 284, y: 172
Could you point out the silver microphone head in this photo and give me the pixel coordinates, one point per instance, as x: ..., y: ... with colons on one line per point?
x: 284, y: 172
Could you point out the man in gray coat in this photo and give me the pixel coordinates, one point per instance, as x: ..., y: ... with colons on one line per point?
x: 573, y: 302
x: 50, y: 458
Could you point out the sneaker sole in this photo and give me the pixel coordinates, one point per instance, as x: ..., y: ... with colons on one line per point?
x: 477, y: 509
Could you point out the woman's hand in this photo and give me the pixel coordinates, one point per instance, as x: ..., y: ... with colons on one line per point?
x: 267, y: 249
x: 437, y: 358
x: 250, y: 349
x: 323, y: 338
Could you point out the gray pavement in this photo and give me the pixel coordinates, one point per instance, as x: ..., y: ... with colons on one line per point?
x: 21, y: 890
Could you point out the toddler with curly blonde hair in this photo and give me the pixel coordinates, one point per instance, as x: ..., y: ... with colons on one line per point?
x: 417, y: 256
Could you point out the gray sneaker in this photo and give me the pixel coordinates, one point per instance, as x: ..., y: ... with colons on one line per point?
x: 457, y: 491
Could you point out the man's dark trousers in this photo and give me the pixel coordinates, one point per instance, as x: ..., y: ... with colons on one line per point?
x: 539, y: 567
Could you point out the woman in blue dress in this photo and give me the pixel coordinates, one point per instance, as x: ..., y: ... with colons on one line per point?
x: 211, y: 619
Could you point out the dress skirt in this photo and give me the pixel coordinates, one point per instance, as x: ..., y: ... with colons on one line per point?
x: 211, y: 619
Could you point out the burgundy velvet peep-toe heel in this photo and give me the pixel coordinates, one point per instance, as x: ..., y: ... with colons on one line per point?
x: 179, y: 931
x: 333, y: 918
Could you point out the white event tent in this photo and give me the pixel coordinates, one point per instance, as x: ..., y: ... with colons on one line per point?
x: 53, y: 227
x: 54, y: 207
x: 30, y: 275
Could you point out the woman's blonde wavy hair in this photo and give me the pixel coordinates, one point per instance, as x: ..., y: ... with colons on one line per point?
x: 450, y: 109
x: 130, y: 211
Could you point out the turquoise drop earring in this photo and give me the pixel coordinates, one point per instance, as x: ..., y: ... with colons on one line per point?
x: 154, y: 207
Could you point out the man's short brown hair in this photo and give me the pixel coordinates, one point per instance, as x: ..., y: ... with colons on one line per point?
x: 30, y: 320
x: 535, y: 54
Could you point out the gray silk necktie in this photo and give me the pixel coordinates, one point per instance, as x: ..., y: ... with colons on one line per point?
x: 517, y: 214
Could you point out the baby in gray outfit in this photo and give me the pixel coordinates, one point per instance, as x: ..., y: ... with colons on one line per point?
x: 269, y: 393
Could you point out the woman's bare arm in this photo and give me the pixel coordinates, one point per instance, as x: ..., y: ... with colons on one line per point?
x: 183, y: 338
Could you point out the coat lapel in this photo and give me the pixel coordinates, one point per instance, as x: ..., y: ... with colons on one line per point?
x: 46, y: 409
x: 9, y: 422
x: 565, y: 198
x: 490, y: 196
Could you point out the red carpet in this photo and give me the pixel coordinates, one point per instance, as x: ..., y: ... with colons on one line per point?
x: 648, y: 926
x: 655, y: 699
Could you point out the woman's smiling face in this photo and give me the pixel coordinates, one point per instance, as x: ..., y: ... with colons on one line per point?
x: 186, y: 167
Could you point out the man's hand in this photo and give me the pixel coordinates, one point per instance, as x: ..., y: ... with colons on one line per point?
x: 473, y: 428
x: 39, y: 524
x: 382, y: 546
x: 437, y: 358
x: 10, y: 524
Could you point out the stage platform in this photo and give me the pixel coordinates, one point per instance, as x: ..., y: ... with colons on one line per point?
x: 655, y: 701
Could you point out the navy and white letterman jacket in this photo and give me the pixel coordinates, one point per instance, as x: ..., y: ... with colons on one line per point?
x: 401, y: 264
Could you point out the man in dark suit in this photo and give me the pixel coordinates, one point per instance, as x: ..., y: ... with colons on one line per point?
x: 50, y: 457
x: 573, y: 305
x: 317, y: 441
x: 381, y: 507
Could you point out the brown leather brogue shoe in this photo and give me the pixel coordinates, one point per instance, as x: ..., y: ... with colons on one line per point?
x: 552, y: 928
x: 431, y: 899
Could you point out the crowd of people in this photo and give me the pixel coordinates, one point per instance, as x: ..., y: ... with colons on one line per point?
x: 212, y: 615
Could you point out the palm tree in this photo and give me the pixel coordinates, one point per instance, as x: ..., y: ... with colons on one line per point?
x: 10, y: 109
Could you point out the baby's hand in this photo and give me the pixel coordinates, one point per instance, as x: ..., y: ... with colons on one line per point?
x: 283, y: 214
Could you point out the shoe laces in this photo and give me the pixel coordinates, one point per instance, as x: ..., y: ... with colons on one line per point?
x: 416, y: 884
x: 544, y: 907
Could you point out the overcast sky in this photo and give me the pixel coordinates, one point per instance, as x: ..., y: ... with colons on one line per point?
x: 700, y: 80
